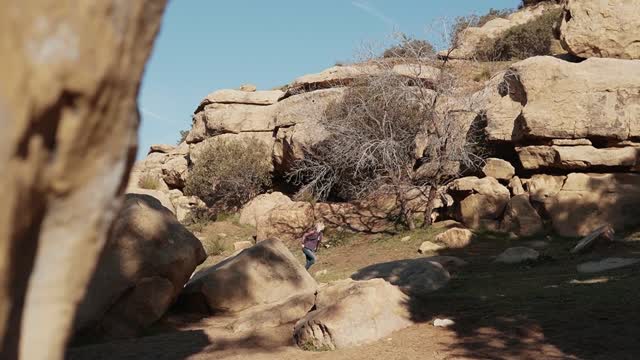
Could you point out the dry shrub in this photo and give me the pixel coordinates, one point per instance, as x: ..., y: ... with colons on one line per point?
x: 372, y: 137
x: 213, y: 245
x: 482, y: 75
x: 149, y: 181
x: 230, y: 173
x: 373, y: 130
x: 523, y: 41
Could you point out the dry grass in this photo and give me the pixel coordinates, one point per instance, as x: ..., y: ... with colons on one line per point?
x: 149, y: 181
x: 218, y: 237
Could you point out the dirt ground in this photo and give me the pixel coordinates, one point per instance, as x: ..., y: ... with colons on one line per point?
x: 541, y: 310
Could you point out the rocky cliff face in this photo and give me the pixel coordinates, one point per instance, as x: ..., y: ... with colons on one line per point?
x: 68, y: 117
x: 579, y: 121
x: 609, y: 29
x: 567, y: 134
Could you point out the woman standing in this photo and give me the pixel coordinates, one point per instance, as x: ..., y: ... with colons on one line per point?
x: 311, y: 242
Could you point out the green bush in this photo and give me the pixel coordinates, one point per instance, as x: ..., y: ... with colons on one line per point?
x: 230, y: 173
x: 149, y: 181
x: 523, y: 41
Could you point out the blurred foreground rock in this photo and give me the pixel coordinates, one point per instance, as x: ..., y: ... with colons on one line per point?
x: 70, y: 75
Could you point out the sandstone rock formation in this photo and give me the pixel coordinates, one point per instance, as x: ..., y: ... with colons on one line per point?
x: 290, y: 220
x: 148, y: 258
x: 69, y: 119
x: 563, y: 100
x: 266, y: 273
x: 578, y: 158
x: 593, y: 28
x: 286, y: 222
x: 566, y: 121
x: 480, y: 202
x: 261, y: 206
x: 498, y: 169
x: 350, y: 313
x: 521, y: 217
x: 588, y: 201
x: 541, y: 186
x: 286, y: 311
x: 344, y: 75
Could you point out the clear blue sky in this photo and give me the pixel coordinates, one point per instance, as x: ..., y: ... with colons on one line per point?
x: 205, y: 45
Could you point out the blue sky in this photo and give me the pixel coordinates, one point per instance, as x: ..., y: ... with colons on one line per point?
x: 205, y: 45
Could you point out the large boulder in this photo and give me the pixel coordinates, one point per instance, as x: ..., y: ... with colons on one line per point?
x: 299, y: 122
x: 148, y: 258
x: 542, y: 186
x: 70, y: 75
x: 350, y: 313
x: 416, y: 277
x: 285, y: 311
x: 498, y: 169
x: 228, y: 96
x: 163, y: 197
x: 455, y: 238
x: 184, y: 205
x: 556, y: 99
x: 232, y: 118
x: 175, y: 171
x: 589, y: 201
x: 260, y: 206
x: 479, y: 202
x: 578, y: 157
x: 286, y: 222
x: 167, y: 164
x: 521, y: 218
x: 266, y: 273
x: 595, y: 28
x: 472, y: 38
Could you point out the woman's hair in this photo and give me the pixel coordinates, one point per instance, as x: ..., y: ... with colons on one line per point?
x: 319, y: 226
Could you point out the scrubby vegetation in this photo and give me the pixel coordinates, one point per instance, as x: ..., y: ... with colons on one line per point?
x: 213, y: 245
x: 149, y: 181
x: 409, y: 48
x: 183, y: 136
x: 523, y: 41
x: 463, y: 22
x: 372, y: 150
x: 526, y: 3
x: 230, y: 173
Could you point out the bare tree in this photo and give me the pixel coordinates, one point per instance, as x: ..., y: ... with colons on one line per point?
x: 401, y: 130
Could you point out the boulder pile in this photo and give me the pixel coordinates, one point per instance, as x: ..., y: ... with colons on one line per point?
x: 574, y: 128
x: 148, y: 258
x: 566, y: 136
